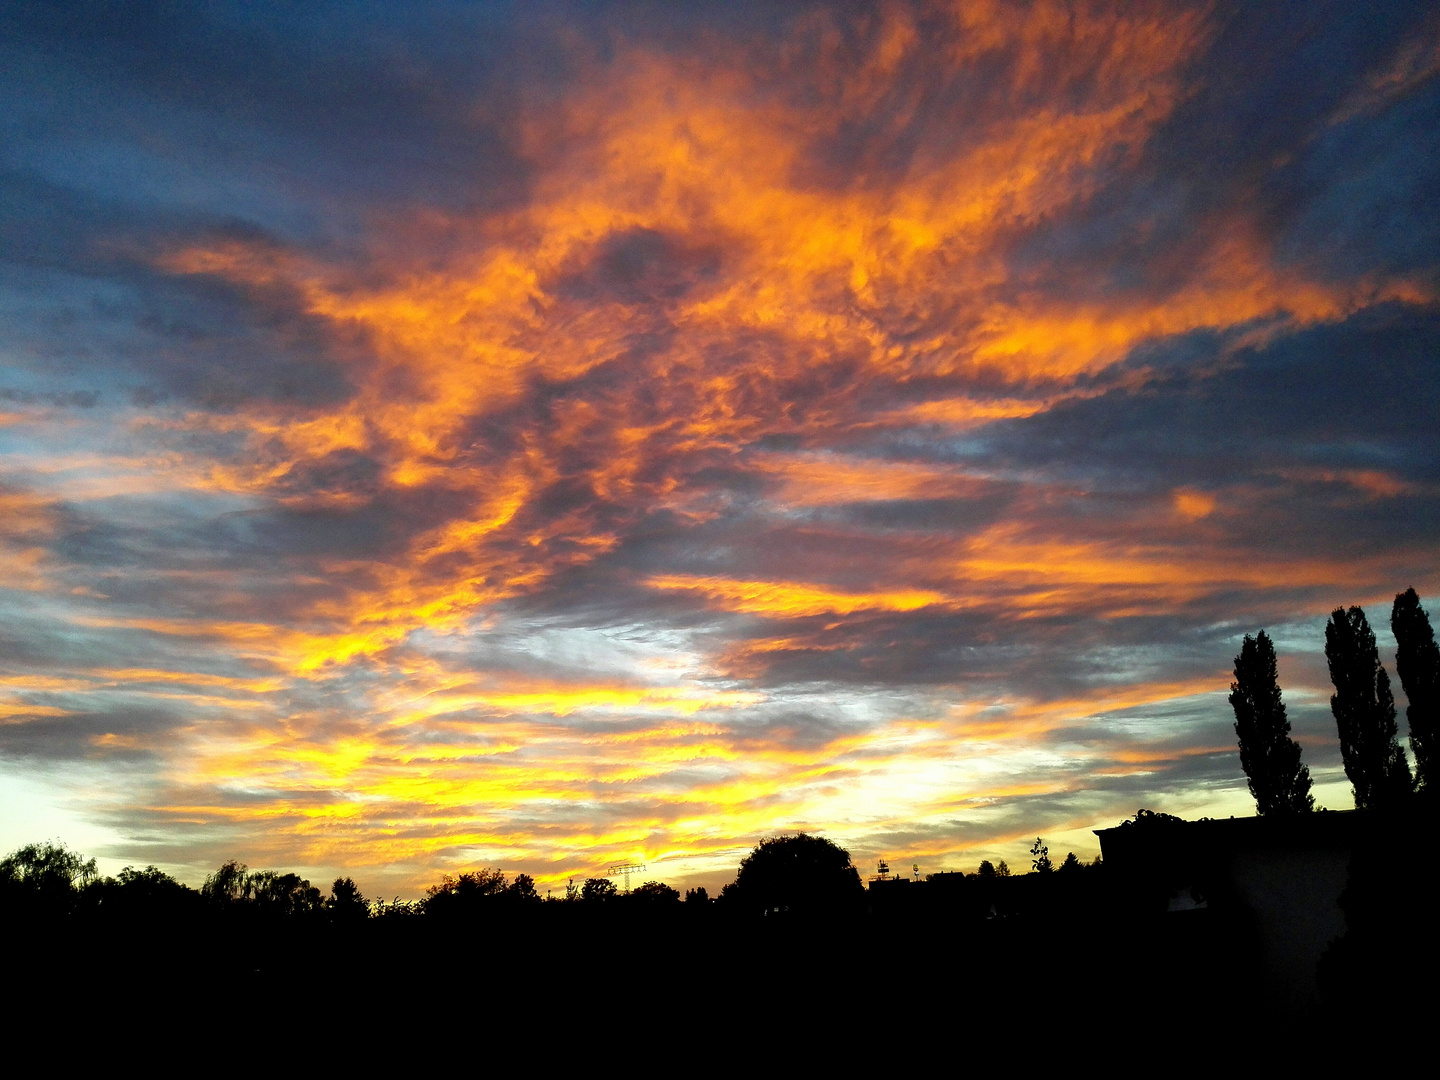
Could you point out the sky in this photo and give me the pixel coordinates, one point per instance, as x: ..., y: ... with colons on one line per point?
x: 548, y: 436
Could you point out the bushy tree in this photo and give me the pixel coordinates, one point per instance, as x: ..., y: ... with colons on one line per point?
x: 45, y: 877
x: 228, y: 885
x: 346, y: 902
x: 262, y: 891
x: 464, y: 892
x: 801, y: 873
x: 397, y: 909
x: 598, y: 890
x: 986, y: 869
x: 1270, y: 758
x: 698, y: 895
x: 522, y: 890
x: 285, y: 894
x: 1071, y: 864
x: 1364, y: 711
x: 655, y: 892
x: 1417, y: 662
x: 150, y: 881
x: 149, y: 894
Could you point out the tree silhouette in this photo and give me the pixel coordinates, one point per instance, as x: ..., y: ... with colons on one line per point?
x: 986, y: 869
x: 1417, y: 662
x: 150, y: 881
x: 699, y: 895
x: 800, y: 873
x: 346, y: 902
x: 149, y: 894
x: 465, y: 892
x: 228, y: 885
x: 283, y: 894
x: 598, y: 889
x: 1071, y: 864
x: 1041, y: 863
x: 44, y: 877
x: 1270, y: 758
x: 1364, y: 712
x: 522, y: 890
x: 655, y: 892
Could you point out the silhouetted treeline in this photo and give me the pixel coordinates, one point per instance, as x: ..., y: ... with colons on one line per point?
x: 796, y: 930
x: 799, y: 877
x: 785, y: 934
x: 785, y: 880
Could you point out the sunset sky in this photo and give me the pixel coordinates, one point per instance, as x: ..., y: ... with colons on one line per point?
x: 545, y: 436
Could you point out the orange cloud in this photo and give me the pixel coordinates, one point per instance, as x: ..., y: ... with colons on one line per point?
x: 792, y: 600
x: 1193, y: 505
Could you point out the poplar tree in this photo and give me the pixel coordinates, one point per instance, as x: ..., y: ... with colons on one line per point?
x: 1270, y: 758
x: 1364, y: 711
x: 1417, y: 662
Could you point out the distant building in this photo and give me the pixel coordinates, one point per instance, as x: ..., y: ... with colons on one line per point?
x: 946, y: 878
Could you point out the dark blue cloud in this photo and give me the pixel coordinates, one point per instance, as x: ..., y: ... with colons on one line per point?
x: 326, y: 99
x: 1368, y: 192
x: 1262, y: 137
x: 1356, y: 394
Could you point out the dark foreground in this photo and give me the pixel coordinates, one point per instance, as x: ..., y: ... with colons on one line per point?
x: 557, y: 981
x: 1304, y: 939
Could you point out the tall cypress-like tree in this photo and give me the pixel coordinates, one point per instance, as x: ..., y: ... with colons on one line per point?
x: 1417, y: 662
x: 1270, y: 758
x: 1364, y: 712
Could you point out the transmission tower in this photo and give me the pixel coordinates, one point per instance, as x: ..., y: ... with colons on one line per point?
x: 627, y: 870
